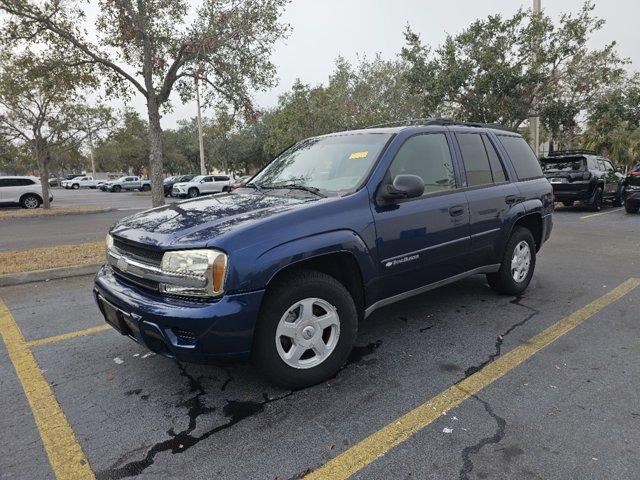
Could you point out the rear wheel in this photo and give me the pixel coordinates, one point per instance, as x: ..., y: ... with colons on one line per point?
x: 30, y: 201
x: 568, y: 203
x: 618, y: 200
x: 306, y: 330
x: 596, y: 202
x: 145, y: 188
x: 517, y: 265
x: 193, y: 192
x: 631, y: 207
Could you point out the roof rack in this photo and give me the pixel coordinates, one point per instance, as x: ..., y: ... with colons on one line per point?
x: 579, y: 151
x: 438, y: 121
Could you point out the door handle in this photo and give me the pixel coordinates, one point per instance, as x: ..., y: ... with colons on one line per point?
x: 511, y: 199
x: 456, y: 210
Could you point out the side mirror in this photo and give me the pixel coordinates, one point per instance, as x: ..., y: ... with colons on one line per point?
x: 404, y: 186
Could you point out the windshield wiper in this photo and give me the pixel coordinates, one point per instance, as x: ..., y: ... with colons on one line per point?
x: 294, y: 186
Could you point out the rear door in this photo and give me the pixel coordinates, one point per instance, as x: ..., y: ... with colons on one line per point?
x: 221, y: 181
x: 489, y: 193
x: 426, y: 239
x: 611, y: 184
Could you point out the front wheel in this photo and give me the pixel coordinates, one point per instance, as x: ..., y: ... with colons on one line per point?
x: 618, y: 200
x: 193, y: 193
x: 75, y: 186
x: 568, y: 203
x: 306, y: 330
x: 30, y: 202
x: 517, y: 265
x: 596, y: 202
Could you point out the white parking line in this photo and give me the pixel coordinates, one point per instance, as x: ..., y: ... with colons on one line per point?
x: 601, y: 213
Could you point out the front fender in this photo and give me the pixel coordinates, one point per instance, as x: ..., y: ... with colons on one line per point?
x: 256, y: 274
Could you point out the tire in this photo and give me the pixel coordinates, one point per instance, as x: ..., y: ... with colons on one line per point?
x: 631, y: 207
x: 30, y: 201
x: 328, y: 296
x: 596, y: 203
x: 568, y: 203
x: 75, y: 186
x: 116, y: 188
x: 193, y: 192
x: 503, y: 280
x: 145, y: 188
x: 618, y: 200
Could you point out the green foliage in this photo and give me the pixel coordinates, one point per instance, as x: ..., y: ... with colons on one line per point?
x: 126, y: 146
x: 503, y: 70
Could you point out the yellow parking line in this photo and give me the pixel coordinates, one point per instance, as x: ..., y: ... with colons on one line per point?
x: 382, y: 441
x: 67, y: 336
x: 65, y: 453
x: 601, y: 213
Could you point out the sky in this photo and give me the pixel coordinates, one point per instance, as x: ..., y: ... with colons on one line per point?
x: 325, y: 29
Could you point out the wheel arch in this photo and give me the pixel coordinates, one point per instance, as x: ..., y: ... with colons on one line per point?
x: 34, y: 194
x: 533, y: 222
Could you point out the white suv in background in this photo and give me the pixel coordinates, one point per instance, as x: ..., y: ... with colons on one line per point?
x: 23, y: 191
x: 202, y: 185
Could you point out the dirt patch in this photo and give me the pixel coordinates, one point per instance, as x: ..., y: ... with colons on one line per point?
x: 41, y: 212
x: 52, y: 257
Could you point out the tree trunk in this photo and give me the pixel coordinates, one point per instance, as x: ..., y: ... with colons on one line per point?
x: 43, y: 169
x: 155, y: 152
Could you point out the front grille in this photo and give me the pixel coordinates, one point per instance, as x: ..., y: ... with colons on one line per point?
x: 143, y: 282
x: 136, y: 251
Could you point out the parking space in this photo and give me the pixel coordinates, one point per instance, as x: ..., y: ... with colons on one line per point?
x: 565, y: 410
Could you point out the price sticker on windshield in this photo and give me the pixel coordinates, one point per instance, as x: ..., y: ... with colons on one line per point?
x: 358, y: 155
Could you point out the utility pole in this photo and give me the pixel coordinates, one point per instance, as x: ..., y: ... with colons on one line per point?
x: 93, y: 161
x: 200, y: 141
x: 534, y: 120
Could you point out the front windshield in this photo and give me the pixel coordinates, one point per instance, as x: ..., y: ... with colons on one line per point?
x: 196, y: 179
x: 332, y: 165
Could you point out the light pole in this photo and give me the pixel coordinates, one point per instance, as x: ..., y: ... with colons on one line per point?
x: 534, y: 120
x: 200, y: 141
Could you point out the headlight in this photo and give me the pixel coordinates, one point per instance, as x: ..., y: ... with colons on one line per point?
x: 109, y: 242
x: 209, y: 265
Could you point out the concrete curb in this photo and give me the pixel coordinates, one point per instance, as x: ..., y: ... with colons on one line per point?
x: 44, y: 215
x: 49, y: 274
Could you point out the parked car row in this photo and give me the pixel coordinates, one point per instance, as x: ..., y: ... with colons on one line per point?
x: 126, y: 183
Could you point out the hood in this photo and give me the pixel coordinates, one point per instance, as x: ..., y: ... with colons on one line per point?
x: 195, y: 223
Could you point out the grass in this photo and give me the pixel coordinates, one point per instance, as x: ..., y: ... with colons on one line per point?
x: 41, y: 212
x: 52, y: 257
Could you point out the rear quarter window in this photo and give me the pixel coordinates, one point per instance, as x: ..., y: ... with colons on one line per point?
x: 522, y: 157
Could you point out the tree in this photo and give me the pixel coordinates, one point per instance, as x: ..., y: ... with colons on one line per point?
x: 613, y: 122
x: 154, y: 46
x: 125, y: 146
x: 503, y: 70
x: 41, y: 107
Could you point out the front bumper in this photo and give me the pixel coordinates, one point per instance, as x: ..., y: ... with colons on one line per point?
x: 188, y: 330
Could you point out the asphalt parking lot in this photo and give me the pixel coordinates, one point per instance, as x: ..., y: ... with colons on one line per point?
x: 456, y: 383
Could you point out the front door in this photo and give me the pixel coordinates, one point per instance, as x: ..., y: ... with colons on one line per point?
x: 426, y: 239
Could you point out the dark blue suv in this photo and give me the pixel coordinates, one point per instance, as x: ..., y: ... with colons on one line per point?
x: 281, y: 270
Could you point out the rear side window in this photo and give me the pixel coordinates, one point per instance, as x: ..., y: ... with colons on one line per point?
x: 221, y: 178
x: 476, y: 161
x: 522, y: 157
x: 497, y: 169
x: 427, y: 156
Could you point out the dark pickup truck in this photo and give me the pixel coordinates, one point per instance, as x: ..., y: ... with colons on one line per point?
x: 583, y: 175
x: 282, y: 269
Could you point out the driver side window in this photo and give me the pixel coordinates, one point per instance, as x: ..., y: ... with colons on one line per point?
x: 428, y: 157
